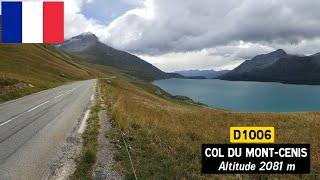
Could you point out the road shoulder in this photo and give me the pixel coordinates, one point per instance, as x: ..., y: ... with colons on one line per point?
x: 103, y: 167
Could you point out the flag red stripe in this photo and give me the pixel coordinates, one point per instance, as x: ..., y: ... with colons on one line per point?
x: 53, y: 22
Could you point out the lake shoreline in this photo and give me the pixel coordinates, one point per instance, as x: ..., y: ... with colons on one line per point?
x: 278, y: 82
x: 225, y: 98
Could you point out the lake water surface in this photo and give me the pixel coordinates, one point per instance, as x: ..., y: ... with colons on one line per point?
x: 246, y: 96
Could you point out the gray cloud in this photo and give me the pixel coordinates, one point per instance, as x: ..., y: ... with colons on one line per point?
x: 166, y: 26
x: 203, y: 34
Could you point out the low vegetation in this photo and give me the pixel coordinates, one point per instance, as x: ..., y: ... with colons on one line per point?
x: 87, y: 157
x: 164, y: 133
x: 29, y: 68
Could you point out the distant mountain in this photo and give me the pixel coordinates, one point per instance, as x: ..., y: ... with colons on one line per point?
x: 278, y: 66
x: 88, y: 47
x: 316, y: 55
x: 209, y: 74
x: 250, y: 66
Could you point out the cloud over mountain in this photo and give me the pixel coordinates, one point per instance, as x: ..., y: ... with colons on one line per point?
x: 222, y: 33
x: 166, y: 26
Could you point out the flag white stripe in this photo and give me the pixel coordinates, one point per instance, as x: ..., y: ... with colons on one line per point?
x: 32, y: 22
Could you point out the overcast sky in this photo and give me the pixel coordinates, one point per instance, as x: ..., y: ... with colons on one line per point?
x: 199, y: 34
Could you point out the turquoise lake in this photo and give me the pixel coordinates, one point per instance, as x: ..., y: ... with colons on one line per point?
x: 246, y: 96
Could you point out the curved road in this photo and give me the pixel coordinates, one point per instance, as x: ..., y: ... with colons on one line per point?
x: 32, y: 128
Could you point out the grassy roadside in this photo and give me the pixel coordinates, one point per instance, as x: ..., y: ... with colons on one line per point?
x: 164, y: 134
x: 13, y: 89
x: 30, y: 68
x: 87, y: 157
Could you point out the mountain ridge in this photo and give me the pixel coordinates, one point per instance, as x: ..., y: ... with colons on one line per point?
x: 258, y: 62
x: 278, y: 66
x: 89, y: 48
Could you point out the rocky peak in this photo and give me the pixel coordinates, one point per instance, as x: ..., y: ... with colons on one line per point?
x: 80, y: 42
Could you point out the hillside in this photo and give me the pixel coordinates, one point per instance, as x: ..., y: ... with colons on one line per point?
x: 30, y: 68
x: 202, y: 73
x: 257, y: 63
x: 165, y: 133
x: 293, y: 69
x: 89, y: 48
x: 278, y: 66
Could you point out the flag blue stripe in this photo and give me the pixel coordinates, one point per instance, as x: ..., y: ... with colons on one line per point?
x: 11, y: 22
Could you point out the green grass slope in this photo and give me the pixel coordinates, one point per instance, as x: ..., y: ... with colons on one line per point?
x: 29, y: 68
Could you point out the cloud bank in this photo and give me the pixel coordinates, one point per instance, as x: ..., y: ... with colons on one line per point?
x: 204, y: 34
x: 166, y: 26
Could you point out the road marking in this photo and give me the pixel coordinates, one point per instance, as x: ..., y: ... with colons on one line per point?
x: 4, y: 123
x: 58, y: 96
x: 69, y: 91
x: 84, y: 122
x: 32, y: 109
x: 36, y: 107
x: 92, y: 97
x: 40, y: 92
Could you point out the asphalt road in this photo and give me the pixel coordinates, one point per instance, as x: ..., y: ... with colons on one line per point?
x: 32, y: 128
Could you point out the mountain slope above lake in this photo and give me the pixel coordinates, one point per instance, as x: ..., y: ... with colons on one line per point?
x: 278, y: 66
x: 88, y: 47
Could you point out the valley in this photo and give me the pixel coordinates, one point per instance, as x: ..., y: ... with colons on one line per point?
x: 163, y: 132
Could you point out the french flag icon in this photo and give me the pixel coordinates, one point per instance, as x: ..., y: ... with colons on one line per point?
x: 32, y: 22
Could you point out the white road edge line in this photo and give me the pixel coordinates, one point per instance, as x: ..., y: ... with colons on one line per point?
x: 85, y: 118
x: 84, y: 122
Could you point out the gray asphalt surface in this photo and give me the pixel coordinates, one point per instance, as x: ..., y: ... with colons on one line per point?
x: 32, y: 128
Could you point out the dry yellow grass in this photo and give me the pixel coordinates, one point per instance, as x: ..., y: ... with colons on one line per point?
x: 35, y: 67
x: 165, y: 134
